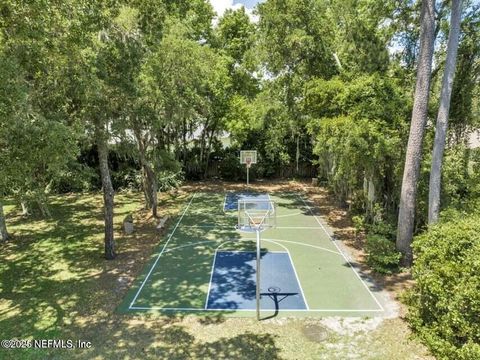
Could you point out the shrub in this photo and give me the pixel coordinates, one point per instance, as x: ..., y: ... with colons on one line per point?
x: 358, y: 223
x: 168, y: 180
x: 444, y: 304
x: 381, y: 254
x: 230, y: 167
x: 76, y: 178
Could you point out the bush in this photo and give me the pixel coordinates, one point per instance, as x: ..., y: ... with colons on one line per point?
x: 381, y: 254
x: 168, y: 180
x: 76, y: 178
x: 444, y: 304
x: 230, y: 167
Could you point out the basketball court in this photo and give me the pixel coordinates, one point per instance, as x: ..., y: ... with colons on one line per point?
x: 205, y: 265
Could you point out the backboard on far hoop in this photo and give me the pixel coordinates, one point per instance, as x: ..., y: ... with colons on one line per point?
x: 248, y: 157
x: 256, y: 215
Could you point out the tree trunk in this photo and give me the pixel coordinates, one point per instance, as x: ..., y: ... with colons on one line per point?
x: 3, y: 225
x: 150, y: 185
x: 297, y: 155
x: 184, y: 143
x: 108, y: 195
x: 44, y: 210
x: 25, y: 211
x: 411, y: 173
x: 442, y: 117
x: 209, y: 150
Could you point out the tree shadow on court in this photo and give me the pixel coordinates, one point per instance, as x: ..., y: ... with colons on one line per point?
x: 233, y: 277
x: 181, y: 278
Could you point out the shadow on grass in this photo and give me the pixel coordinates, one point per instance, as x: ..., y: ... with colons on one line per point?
x: 55, y: 284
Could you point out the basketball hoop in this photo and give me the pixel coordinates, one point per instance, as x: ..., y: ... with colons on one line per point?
x: 256, y: 216
x: 248, y: 157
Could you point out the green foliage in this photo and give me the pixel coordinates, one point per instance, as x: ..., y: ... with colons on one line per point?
x: 230, y: 167
x: 444, y: 304
x: 235, y: 33
x: 75, y: 178
x: 358, y: 127
x: 126, y: 178
x: 295, y: 35
x: 358, y: 223
x: 349, y: 150
x: 461, y: 176
x: 168, y: 180
x: 381, y: 254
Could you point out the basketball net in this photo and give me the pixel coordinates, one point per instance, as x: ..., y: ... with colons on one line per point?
x: 257, y: 221
x: 248, y: 161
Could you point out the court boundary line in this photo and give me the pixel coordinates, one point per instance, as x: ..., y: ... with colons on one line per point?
x: 225, y: 202
x: 343, y: 255
x: 303, y: 244
x: 253, y: 251
x: 210, y: 281
x: 161, y: 252
x: 234, y: 310
x: 287, y: 215
x: 131, y: 307
x: 294, y: 271
x: 229, y: 227
x: 247, y: 239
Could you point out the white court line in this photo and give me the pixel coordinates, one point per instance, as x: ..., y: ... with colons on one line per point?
x: 210, y: 282
x: 348, y: 262
x: 304, y: 244
x: 225, y: 202
x: 297, y: 227
x: 246, y: 251
x: 249, y: 239
x: 232, y: 227
x: 190, y: 244
x: 234, y: 310
x: 161, y: 252
x: 286, y: 215
x: 294, y: 270
x: 252, y: 251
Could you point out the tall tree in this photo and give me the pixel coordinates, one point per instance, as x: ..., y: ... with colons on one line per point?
x: 108, y: 193
x: 114, y: 65
x: 3, y: 225
x: 411, y: 173
x: 443, y: 112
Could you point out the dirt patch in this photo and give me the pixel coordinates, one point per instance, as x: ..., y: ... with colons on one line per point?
x: 316, y: 333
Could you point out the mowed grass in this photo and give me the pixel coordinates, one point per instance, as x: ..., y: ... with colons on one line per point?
x: 55, y: 284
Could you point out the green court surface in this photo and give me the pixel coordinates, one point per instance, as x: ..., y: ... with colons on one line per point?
x: 178, y: 279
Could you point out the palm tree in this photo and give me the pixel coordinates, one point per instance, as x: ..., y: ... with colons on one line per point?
x: 406, y: 216
x: 442, y: 117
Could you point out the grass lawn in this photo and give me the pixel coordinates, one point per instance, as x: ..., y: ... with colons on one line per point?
x: 55, y: 284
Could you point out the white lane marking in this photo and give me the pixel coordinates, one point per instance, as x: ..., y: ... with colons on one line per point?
x: 210, y: 282
x: 343, y: 255
x: 161, y: 252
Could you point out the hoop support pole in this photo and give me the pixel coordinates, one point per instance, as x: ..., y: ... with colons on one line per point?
x: 258, y: 275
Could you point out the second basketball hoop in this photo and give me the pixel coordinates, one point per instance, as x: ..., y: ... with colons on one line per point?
x: 248, y: 157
